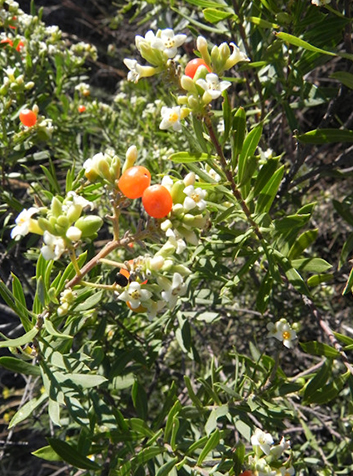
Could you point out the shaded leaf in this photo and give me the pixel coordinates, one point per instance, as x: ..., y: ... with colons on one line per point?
x: 72, y: 456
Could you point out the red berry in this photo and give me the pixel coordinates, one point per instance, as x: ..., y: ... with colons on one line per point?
x: 81, y: 108
x: 134, y: 181
x: 157, y: 201
x: 193, y: 65
x: 28, y: 117
x: 7, y: 40
x: 247, y: 473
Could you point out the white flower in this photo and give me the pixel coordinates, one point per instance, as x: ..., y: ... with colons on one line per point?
x: 235, y: 57
x: 138, y: 71
x: 23, y: 222
x: 194, y: 198
x: 319, y: 3
x: 153, y: 308
x: 73, y: 233
x: 170, y: 118
x: 54, y: 246
x: 149, y: 37
x: 263, y: 440
x: 212, y: 86
x: 78, y: 201
x: 135, y: 295
x: 173, y: 290
x: 168, y: 42
x: 176, y: 240
x: 281, y: 330
x: 286, y: 471
x: 167, y: 182
x: 279, y: 449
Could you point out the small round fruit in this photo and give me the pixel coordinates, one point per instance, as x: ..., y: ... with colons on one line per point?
x: 193, y: 65
x: 28, y: 117
x: 134, y: 181
x: 81, y: 108
x: 157, y: 201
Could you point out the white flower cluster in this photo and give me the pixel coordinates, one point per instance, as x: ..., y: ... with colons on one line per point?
x: 262, y: 443
x: 141, y: 296
x: 62, y: 225
x: 185, y: 217
x: 157, y: 49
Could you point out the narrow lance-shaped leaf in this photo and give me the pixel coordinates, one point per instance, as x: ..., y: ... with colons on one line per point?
x: 293, y: 40
x: 72, y: 456
x: 239, y: 128
x: 19, y: 366
x: 248, y: 150
x: 210, y: 445
x: 25, y: 339
x: 326, y: 136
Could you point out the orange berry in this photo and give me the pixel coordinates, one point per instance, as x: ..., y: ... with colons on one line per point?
x: 81, y: 108
x: 157, y: 201
x: 28, y: 117
x: 134, y: 181
x: 247, y: 473
x: 8, y: 41
x: 193, y: 65
x: 20, y: 46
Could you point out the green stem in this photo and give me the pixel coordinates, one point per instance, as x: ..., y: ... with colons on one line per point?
x: 229, y: 175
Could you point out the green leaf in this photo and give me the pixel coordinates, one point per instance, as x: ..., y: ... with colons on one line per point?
x: 72, y: 456
x: 148, y: 453
x: 293, y: 40
x: 330, y: 391
x: 262, y: 23
x: 167, y: 467
x: 268, y: 193
x: 191, y: 393
x: 53, y: 332
x: 318, y: 380
x: 291, y: 222
x: 311, y: 265
x: 47, y: 453
x: 54, y: 411
x: 302, y: 243
x: 212, y: 442
x: 326, y: 136
x: 27, y: 409
x: 344, y: 77
x: 318, y: 348
x: 90, y: 302
x: 349, y: 284
x: 85, y: 380
x: 216, y: 413
x: 16, y: 306
x: 248, y: 150
x: 343, y: 210
x: 169, y: 423
x: 139, y: 398
x: 227, y: 116
x: 213, y: 15
x: 318, y: 279
x: 263, y: 177
x: 25, y: 339
x: 188, y: 157
x: 239, y: 128
x: 264, y: 293
x: 19, y: 366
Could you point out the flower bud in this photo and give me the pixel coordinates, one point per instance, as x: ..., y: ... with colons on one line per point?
x: 29, y: 85
x: 157, y: 263
x: 202, y: 46
x: 197, y: 221
x: 189, y: 235
x: 131, y: 157
x: 181, y: 269
x: 45, y: 225
x: 189, y: 179
x: 56, y: 207
x: 74, y: 233
x: 63, y: 221
x: 166, y: 225
x: 177, y: 193
x: 74, y: 213
x: 188, y: 84
x: 167, y: 250
x: 103, y: 168
x: 89, y: 225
